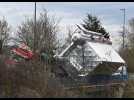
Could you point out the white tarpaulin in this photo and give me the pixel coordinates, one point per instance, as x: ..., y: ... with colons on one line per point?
x: 106, y: 52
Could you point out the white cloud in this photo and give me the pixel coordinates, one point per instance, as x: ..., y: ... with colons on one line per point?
x: 61, y: 13
x: 15, y: 12
x: 114, y: 29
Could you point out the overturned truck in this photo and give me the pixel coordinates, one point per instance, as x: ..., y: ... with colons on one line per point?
x: 90, y: 59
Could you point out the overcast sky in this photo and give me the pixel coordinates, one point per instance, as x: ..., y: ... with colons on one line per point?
x: 71, y: 13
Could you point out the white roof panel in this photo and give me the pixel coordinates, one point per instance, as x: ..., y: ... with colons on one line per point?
x: 106, y: 52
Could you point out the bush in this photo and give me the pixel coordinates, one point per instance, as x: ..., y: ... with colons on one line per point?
x: 129, y: 90
x: 29, y: 79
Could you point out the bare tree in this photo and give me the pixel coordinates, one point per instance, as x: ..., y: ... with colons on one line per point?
x: 130, y: 35
x: 4, y: 33
x: 67, y: 41
x: 46, y: 28
x: 69, y: 33
x: 128, y: 52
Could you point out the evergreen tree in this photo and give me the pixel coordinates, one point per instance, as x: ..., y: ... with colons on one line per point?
x: 92, y: 23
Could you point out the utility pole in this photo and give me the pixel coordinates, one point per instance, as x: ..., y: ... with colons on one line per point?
x: 123, y: 35
x: 35, y: 28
